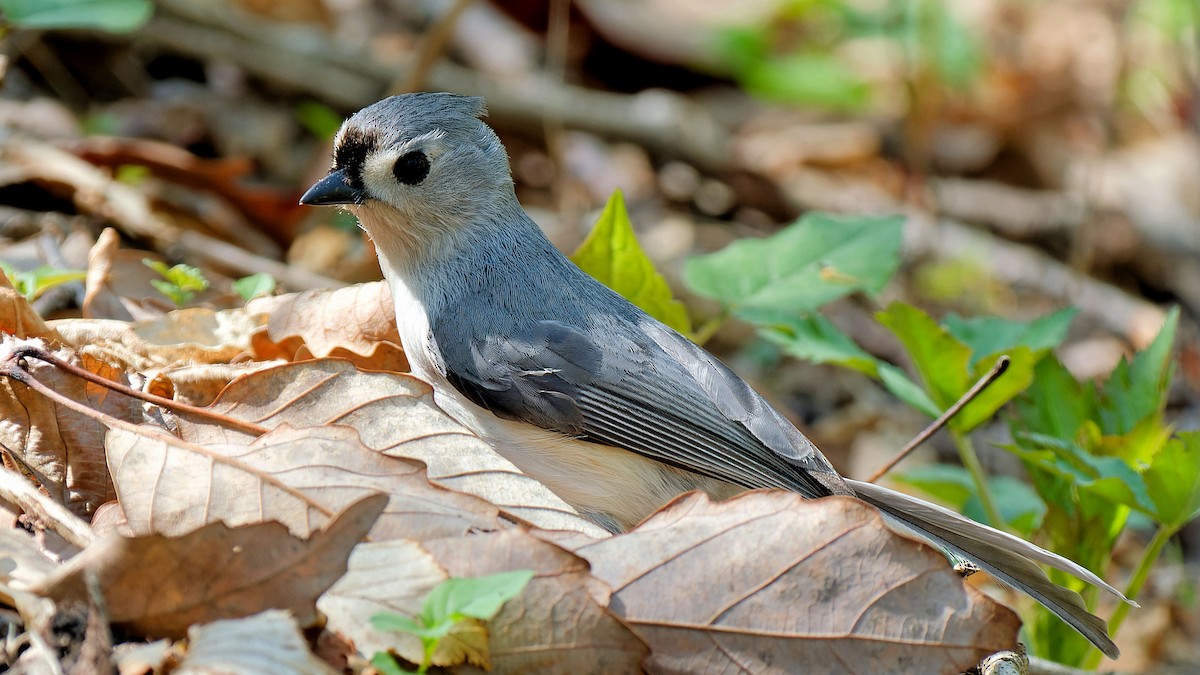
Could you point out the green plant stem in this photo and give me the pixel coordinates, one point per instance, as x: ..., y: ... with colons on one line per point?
x: 970, y: 460
x: 1149, y: 557
x: 709, y: 328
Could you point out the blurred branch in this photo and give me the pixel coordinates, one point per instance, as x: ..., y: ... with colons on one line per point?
x: 308, y: 60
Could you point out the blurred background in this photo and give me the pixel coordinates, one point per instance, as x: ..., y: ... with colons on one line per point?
x: 1046, y: 153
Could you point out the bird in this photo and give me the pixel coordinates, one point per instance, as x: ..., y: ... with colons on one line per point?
x: 609, y: 408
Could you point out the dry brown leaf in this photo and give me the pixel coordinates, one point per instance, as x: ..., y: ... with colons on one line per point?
x: 199, y: 335
x: 355, y: 322
x: 393, y: 414
x: 269, y: 642
x: 160, y: 586
x: 298, y: 477
x: 62, y: 448
x: 18, y: 318
x: 769, y: 582
x: 118, y: 282
x: 198, y: 384
x: 559, y: 623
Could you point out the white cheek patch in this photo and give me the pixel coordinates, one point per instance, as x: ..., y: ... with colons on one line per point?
x: 377, y: 168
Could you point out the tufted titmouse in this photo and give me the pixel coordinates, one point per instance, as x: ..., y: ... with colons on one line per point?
x: 608, y: 407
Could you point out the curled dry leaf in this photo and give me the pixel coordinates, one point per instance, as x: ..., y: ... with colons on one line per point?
x: 356, y: 322
x: 63, y: 449
x: 117, y: 282
x: 394, y: 414
x: 215, y: 572
x: 183, y: 355
x: 559, y: 623
x: 298, y: 477
x: 268, y: 642
x: 768, y: 582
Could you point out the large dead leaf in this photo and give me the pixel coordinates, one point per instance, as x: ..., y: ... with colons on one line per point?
x: 62, y: 448
x: 558, y: 624
x: 356, y: 322
x: 769, y: 582
x: 269, y: 642
x: 160, y: 586
x: 298, y: 477
x: 393, y: 414
x: 118, y: 283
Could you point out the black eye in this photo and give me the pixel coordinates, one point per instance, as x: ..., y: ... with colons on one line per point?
x: 411, y: 168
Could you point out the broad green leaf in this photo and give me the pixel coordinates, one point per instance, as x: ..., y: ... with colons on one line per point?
x: 386, y: 663
x: 473, y: 597
x: 941, y: 361
x: 814, y: 338
x: 1137, y: 389
x: 395, y: 623
x: 1173, y: 480
x: 611, y: 254
x: 254, y: 285
x: 906, y: 390
x: 809, y: 78
x: 1109, y: 478
x: 116, y: 16
x: 1055, y: 403
x: 988, y: 335
x: 939, y: 358
x: 816, y: 260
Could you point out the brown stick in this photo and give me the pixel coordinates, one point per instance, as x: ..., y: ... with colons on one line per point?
x: 983, y: 383
x: 15, y: 371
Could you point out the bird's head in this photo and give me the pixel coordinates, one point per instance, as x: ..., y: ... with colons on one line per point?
x: 416, y: 169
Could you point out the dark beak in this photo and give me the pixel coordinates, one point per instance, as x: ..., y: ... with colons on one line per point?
x: 333, y: 189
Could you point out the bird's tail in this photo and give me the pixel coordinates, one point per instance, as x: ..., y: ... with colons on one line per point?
x: 1009, y: 559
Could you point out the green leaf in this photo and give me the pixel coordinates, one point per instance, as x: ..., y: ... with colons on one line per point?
x: 320, y: 120
x: 386, y: 663
x: 941, y: 361
x: 1137, y: 389
x: 116, y: 16
x: 1173, y: 480
x: 816, y: 260
x: 807, y: 78
x: 254, y: 285
x: 988, y: 335
x: 906, y: 390
x: 939, y: 358
x: 814, y: 338
x: 1109, y: 478
x: 180, y: 283
x: 473, y: 597
x: 1055, y: 403
x: 395, y: 623
x: 612, y: 255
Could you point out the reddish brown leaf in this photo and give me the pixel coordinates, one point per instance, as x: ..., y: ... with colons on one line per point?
x: 160, y: 586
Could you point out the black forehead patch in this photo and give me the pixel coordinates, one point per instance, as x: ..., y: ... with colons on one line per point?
x: 351, y: 152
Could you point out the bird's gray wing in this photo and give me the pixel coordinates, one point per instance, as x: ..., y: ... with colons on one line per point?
x: 649, y: 391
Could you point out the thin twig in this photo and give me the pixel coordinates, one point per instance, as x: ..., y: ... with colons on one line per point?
x: 28, y: 351
x: 983, y: 383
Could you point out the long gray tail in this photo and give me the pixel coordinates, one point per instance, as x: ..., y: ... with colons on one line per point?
x: 1009, y: 559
